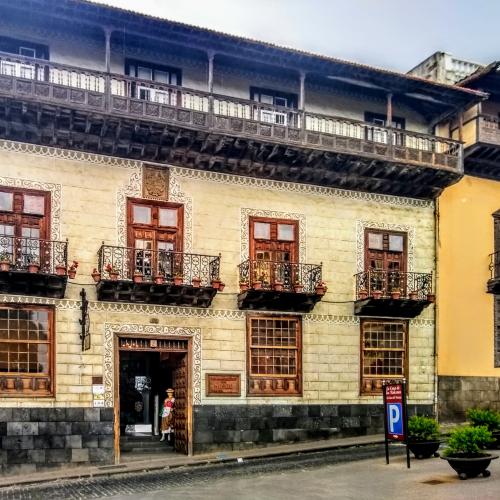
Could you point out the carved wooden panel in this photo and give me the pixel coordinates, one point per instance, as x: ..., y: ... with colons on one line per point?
x: 155, y: 183
x: 181, y: 406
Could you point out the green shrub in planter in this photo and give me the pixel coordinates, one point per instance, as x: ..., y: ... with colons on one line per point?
x: 488, y: 418
x: 422, y: 428
x: 468, y: 441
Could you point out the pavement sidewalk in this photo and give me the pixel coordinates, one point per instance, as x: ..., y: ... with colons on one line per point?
x: 154, y: 462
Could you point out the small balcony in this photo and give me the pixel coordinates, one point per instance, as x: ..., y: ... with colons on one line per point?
x: 279, y: 286
x: 392, y: 294
x: 493, y: 285
x: 31, y: 266
x: 126, y: 274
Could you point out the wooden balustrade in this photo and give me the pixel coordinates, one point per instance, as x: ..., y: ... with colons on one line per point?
x: 53, y: 83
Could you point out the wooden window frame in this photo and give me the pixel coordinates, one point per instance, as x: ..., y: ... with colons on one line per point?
x: 13, y: 45
x: 154, y: 67
x: 155, y: 204
x: 377, y: 391
x: 291, y: 98
x: 46, y: 217
x: 252, y: 219
x: 389, y: 233
x: 270, y: 383
x: 51, y: 376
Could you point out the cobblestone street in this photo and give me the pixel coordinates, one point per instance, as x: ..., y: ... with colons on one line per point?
x: 310, y: 476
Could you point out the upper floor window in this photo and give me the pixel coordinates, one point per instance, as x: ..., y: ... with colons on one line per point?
x: 153, y: 72
x: 385, y: 258
x: 24, y: 220
x: 23, y: 48
x: 154, y: 230
x: 378, y: 133
x: 273, y: 247
x: 273, y: 98
x: 26, y: 350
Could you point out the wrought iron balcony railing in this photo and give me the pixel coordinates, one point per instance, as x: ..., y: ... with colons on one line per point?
x: 123, y: 262
x: 20, y: 253
x: 417, y: 286
x: 105, y: 92
x: 288, y: 276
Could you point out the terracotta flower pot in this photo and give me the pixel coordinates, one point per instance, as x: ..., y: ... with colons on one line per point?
x: 96, y: 276
x: 71, y: 274
x: 60, y: 270
x: 431, y: 297
x: 216, y: 284
x: 33, y: 268
x: 137, y: 278
x: 362, y: 294
x: 396, y: 295
x: 221, y: 286
x: 159, y: 280
x: 257, y: 285
x: 4, y: 265
x: 377, y: 294
x: 413, y: 295
x: 278, y: 286
x: 298, y: 287
x: 320, y: 290
x: 196, y: 282
x: 177, y: 280
x: 243, y: 287
x: 113, y: 276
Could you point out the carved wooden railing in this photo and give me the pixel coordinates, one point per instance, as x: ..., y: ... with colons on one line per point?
x: 98, y: 91
x: 409, y: 284
x: 494, y: 265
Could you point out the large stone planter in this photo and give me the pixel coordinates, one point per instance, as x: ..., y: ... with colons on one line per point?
x: 424, y: 449
x: 467, y: 467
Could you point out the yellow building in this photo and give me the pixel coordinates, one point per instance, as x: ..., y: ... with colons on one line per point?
x: 469, y: 262
x: 207, y: 187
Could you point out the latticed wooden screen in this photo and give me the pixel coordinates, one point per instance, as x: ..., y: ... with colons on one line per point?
x: 274, y: 355
x: 383, y: 353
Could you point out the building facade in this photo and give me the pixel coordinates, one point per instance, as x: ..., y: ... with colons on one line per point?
x: 252, y: 226
x: 468, y: 325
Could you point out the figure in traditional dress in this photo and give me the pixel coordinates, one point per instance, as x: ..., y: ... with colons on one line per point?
x: 167, y: 415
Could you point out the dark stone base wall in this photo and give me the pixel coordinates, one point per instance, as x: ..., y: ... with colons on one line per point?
x: 244, y: 426
x: 456, y: 394
x: 34, y: 439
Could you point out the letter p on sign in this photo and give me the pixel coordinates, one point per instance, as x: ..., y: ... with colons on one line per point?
x: 395, y: 418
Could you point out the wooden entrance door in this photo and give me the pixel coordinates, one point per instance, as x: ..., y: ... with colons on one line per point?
x: 385, y: 258
x: 181, y: 380
x: 273, y: 249
x: 155, y: 237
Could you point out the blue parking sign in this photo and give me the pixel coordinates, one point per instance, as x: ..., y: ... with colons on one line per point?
x: 395, y: 419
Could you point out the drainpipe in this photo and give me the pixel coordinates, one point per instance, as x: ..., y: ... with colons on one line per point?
x: 436, y: 305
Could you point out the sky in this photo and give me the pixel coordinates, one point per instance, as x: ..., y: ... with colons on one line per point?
x: 393, y: 34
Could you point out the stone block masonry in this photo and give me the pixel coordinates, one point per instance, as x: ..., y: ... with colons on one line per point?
x: 456, y: 394
x: 35, y: 439
x: 244, y: 426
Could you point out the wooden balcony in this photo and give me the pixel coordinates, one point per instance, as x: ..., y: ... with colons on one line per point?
x: 493, y: 285
x: 30, y: 266
x: 482, y: 156
x: 75, y: 108
x: 126, y: 274
x: 392, y: 294
x: 279, y: 286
